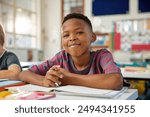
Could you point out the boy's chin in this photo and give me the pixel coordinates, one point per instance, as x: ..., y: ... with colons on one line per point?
x: 75, y: 54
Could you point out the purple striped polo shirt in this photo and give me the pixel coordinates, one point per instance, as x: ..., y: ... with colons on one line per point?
x: 101, y: 62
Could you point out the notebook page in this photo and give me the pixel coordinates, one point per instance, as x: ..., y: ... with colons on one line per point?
x: 90, y: 92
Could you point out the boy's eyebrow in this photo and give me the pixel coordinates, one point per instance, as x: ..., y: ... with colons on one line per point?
x: 78, y: 28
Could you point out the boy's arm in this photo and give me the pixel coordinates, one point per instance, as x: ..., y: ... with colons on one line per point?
x: 31, y: 77
x: 104, y: 81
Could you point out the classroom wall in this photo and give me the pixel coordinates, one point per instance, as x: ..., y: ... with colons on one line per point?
x: 23, y: 54
x: 104, y: 23
x: 51, y: 22
x: 49, y: 28
x: 50, y: 13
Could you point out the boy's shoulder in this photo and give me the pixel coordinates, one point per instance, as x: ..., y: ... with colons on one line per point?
x: 62, y: 52
x: 61, y: 55
x: 102, y: 51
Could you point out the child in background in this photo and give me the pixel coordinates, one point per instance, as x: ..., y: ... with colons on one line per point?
x: 9, y: 63
x: 77, y: 64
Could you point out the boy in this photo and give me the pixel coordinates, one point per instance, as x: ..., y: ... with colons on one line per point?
x: 9, y: 63
x: 76, y: 64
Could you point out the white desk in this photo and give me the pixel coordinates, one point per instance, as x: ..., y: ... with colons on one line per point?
x: 131, y: 94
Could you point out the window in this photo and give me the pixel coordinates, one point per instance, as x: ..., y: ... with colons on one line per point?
x: 19, y: 20
x: 71, y: 6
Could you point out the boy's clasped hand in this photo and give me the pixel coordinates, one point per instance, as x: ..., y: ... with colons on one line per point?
x: 53, y: 76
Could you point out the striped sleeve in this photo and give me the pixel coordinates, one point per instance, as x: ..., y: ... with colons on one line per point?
x: 42, y: 68
x: 107, y: 62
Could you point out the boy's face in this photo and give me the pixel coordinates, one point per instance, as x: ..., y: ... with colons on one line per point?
x: 77, y: 37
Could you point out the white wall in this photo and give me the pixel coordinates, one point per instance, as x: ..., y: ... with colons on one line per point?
x: 51, y: 22
x: 22, y: 54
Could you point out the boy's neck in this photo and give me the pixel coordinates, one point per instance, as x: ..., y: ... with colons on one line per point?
x: 81, y: 65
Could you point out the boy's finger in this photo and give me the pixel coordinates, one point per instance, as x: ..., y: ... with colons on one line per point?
x: 53, y: 79
x: 55, y: 73
x: 55, y: 67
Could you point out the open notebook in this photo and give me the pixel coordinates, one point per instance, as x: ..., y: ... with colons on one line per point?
x: 73, y: 90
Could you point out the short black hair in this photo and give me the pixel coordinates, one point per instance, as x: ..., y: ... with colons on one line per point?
x: 78, y: 16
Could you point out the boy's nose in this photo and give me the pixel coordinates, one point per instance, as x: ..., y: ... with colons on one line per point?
x: 72, y: 37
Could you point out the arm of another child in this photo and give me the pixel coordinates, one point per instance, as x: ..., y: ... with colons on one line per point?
x: 31, y: 77
x: 51, y: 79
x: 11, y: 73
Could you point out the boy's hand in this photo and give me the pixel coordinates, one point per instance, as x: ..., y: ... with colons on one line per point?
x: 52, y: 77
x: 64, y: 72
x: 67, y: 76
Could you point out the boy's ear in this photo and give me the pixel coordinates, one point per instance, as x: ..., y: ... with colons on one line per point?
x: 93, y: 37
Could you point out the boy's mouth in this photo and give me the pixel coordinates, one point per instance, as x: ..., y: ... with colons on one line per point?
x: 74, y: 45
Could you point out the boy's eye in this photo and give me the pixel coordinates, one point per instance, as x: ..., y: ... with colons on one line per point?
x: 80, y: 32
x: 65, y: 35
